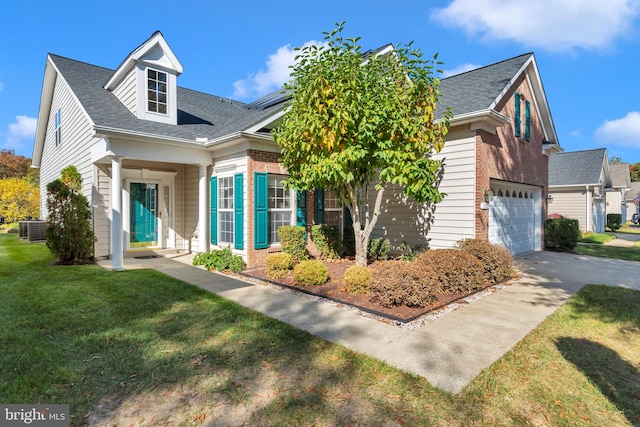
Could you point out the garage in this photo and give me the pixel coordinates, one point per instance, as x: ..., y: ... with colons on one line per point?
x: 514, y: 217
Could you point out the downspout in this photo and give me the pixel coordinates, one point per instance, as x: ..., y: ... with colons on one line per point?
x: 589, y: 212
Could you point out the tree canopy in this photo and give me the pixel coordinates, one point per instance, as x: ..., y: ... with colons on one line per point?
x: 359, y: 121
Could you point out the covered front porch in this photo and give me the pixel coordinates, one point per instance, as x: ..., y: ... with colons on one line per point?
x: 149, y: 198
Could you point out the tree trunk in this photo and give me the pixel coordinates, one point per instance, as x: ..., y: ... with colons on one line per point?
x: 362, y: 234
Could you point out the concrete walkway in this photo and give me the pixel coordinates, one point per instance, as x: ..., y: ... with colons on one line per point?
x: 449, y: 351
x: 624, y: 240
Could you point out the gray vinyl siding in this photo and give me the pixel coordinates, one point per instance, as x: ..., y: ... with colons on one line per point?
x: 75, y: 148
x: 614, y: 202
x: 403, y: 219
x: 570, y: 204
x: 126, y: 92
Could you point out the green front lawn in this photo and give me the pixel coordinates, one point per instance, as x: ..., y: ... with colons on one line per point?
x: 599, y: 238
x: 629, y: 254
x: 145, y: 348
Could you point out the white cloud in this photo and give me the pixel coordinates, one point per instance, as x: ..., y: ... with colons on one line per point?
x: 1, y: 87
x: 463, y: 68
x: 276, y: 74
x: 624, y: 132
x: 23, y: 128
x: 554, y: 25
x: 577, y: 133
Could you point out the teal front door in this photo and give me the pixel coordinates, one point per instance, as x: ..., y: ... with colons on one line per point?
x: 143, y: 218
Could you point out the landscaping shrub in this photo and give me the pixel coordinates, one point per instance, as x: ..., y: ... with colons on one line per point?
x: 405, y: 283
x: 561, y: 234
x: 327, y: 240
x: 69, y: 234
x: 293, y: 240
x: 614, y: 221
x: 378, y: 249
x: 496, y: 260
x: 457, y: 271
x: 357, y: 279
x: 310, y: 273
x: 278, y: 265
x: 409, y: 253
x: 220, y: 260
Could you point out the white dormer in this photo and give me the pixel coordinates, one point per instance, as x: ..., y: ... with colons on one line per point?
x: 146, y: 81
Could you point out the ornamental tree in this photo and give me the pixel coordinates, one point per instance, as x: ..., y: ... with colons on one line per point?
x: 358, y: 122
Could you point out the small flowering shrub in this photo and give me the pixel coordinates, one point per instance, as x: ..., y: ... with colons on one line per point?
x: 310, y: 273
x: 357, y: 279
x: 457, y: 271
x: 406, y: 283
x: 278, y: 265
x: 496, y: 260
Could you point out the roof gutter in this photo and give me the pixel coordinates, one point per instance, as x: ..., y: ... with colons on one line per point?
x: 110, y: 132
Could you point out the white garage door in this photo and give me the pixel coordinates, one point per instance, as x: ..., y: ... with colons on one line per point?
x: 512, y: 219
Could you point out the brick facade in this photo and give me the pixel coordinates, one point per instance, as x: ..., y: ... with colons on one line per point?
x: 504, y: 157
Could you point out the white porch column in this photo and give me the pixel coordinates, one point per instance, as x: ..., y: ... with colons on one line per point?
x: 117, y: 257
x: 203, y: 237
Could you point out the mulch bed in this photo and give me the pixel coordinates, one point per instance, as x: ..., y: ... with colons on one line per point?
x: 333, y: 290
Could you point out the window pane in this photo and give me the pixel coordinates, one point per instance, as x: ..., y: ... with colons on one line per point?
x: 162, y: 108
x: 162, y: 77
x: 152, y: 74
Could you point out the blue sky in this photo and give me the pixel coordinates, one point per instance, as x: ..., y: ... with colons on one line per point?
x: 588, y: 55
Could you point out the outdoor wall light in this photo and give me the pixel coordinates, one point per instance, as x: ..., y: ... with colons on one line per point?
x: 549, y: 198
x: 488, y: 195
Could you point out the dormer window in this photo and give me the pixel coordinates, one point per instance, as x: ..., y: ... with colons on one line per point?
x: 156, y: 91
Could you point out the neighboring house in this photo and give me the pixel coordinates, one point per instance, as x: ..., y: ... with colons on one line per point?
x: 168, y: 167
x: 633, y: 192
x: 620, y: 186
x: 578, y: 181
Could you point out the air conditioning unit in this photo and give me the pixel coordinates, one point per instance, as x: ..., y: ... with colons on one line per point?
x: 36, y: 231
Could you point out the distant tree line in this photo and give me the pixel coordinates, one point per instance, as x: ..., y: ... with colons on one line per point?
x: 19, y: 187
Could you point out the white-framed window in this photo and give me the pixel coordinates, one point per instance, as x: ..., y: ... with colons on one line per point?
x: 332, y: 209
x: 58, y: 128
x: 156, y: 91
x: 280, y: 206
x: 225, y: 210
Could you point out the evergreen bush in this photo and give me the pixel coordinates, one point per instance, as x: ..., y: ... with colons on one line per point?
x: 310, y: 273
x: 378, y: 249
x: 278, y: 265
x: 69, y: 235
x: 293, y: 240
x: 614, y: 221
x: 561, y: 234
x: 327, y: 240
x: 357, y: 279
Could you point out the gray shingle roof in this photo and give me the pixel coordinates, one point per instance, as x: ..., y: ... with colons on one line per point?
x: 467, y: 92
x: 477, y: 89
x: 576, y: 167
x: 620, y: 176
x: 199, y: 115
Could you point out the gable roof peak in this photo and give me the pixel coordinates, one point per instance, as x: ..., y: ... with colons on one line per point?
x: 154, y: 50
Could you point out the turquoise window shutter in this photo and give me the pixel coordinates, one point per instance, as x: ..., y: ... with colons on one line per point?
x: 213, y: 220
x: 318, y: 207
x: 301, y: 208
x: 517, y: 124
x: 527, y: 120
x: 238, y: 211
x: 260, y: 210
